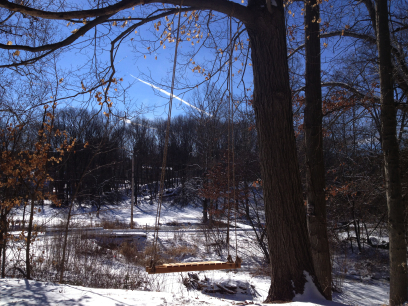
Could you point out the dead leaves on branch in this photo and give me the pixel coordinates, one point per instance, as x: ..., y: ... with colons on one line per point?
x: 23, y: 173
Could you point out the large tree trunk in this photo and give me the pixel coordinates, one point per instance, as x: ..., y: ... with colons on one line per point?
x: 396, y: 228
x: 315, y: 172
x: 289, y: 246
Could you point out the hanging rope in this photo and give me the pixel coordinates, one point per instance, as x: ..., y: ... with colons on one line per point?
x: 231, y: 128
x: 166, y: 142
x: 233, y: 147
x: 229, y: 143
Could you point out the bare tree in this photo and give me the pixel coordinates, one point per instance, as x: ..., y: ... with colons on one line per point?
x: 396, y: 225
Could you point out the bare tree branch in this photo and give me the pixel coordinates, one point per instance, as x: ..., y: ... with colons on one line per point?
x: 223, y: 6
x: 69, y: 40
x: 109, y: 10
x: 366, y: 37
x: 400, y: 29
x: 371, y: 11
x: 402, y: 72
x: 401, y: 106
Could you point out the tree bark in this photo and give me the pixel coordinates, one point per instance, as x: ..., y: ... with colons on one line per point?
x: 315, y: 172
x: 396, y: 228
x: 3, y: 239
x: 132, y: 201
x: 205, y: 210
x: 289, y: 245
x: 3, y: 258
x: 28, y: 242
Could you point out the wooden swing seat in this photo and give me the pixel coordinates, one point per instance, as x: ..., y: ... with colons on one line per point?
x: 193, y: 266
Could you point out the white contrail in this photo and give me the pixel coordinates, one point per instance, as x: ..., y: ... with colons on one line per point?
x: 128, y: 121
x: 174, y: 96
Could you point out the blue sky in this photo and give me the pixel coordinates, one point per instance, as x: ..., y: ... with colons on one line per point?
x: 134, y: 58
x: 155, y: 66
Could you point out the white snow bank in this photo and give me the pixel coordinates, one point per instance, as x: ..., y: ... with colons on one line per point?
x: 311, y: 295
x: 25, y: 292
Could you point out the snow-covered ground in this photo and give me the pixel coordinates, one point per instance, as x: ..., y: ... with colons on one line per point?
x: 26, y: 292
x: 169, y: 289
x: 144, y: 213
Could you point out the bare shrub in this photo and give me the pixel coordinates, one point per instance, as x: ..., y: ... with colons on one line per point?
x: 130, y: 252
x: 116, y: 224
x: 87, y: 263
x: 216, y: 239
x: 173, y: 223
x: 147, y: 254
x: 180, y: 251
x: 171, y: 254
x: 261, y: 269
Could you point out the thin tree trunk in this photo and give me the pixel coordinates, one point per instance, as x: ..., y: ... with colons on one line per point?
x: 315, y: 172
x: 205, y: 210
x: 396, y: 228
x: 3, y: 239
x: 29, y: 232
x: 24, y: 211
x: 132, y: 202
x: 289, y: 245
x: 205, y: 203
x: 3, y: 262
x: 64, y: 247
x: 356, y: 223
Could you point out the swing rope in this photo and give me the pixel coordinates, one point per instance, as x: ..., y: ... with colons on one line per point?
x: 165, y: 149
x: 231, y: 145
x: 228, y: 148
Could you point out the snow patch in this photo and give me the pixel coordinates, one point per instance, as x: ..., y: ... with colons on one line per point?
x: 311, y: 293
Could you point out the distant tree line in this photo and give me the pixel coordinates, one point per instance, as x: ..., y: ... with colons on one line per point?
x: 98, y: 163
